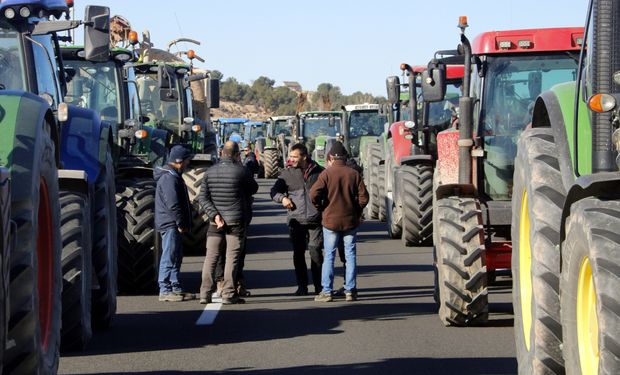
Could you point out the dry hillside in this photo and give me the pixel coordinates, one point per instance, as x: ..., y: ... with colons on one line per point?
x: 230, y: 109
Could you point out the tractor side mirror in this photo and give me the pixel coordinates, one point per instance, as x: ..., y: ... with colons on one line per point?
x: 97, y: 33
x: 167, y: 92
x: 393, y: 89
x: 213, y: 93
x: 434, y: 82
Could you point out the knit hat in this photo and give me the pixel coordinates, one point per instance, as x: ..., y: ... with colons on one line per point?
x: 338, y: 150
x: 179, y: 153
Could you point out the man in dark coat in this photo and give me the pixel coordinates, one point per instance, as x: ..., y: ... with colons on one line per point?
x: 226, y: 189
x: 304, y: 220
x: 249, y: 160
x: 341, y: 195
x: 172, y: 219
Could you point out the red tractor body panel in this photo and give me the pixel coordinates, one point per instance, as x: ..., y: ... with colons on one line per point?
x: 455, y: 72
x: 448, y: 156
x: 402, y: 145
x: 498, y: 255
x: 528, y: 40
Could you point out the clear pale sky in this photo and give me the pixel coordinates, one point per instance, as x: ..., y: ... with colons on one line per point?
x: 352, y: 44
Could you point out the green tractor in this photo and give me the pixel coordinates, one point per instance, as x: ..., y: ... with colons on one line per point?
x: 318, y: 131
x: 59, y: 160
x: 274, y: 152
x: 110, y: 88
x: 166, y: 99
x: 566, y: 215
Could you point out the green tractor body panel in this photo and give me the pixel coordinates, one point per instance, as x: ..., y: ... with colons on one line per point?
x: 565, y: 95
x: 10, y: 106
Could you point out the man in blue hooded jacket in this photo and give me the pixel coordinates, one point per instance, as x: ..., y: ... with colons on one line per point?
x: 172, y: 219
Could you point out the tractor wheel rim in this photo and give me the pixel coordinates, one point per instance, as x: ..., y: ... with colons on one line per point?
x: 44, y: 263
x: 587, y: 321
x: 525, y: 270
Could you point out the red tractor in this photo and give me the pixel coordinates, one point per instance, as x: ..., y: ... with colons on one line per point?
x: 505, y: 72
x: 411, y: 153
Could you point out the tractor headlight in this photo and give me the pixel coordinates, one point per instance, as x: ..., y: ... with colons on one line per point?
x: 9, y: 13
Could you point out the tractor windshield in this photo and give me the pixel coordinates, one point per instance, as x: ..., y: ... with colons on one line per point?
x: 12, y: 74
x: 94, y: 86
x: 163, y: 114
x: 231, y: 128
x: 315, y: 127
x: 440, y: 113
x: 253, y: 132
x: 364, y: 124
x: 281, y: 127
x: 511, y: 86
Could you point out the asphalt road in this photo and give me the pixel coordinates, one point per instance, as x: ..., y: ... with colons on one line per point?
x: 391, y: 329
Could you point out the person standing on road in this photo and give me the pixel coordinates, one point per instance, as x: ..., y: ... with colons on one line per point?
x: 341, y: 195
x: 249, y: 160
x: 224, y: 193
x: 172, y: 219
x: 292, y: 189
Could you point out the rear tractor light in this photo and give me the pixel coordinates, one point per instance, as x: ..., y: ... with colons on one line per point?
x: 141, y: 134
x: 196, y: 128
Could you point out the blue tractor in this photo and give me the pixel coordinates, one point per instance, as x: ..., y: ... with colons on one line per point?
x: 63, y: 262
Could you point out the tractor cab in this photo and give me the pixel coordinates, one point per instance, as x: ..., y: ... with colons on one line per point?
x: 254, y: 130
x: 318, y: 131
x: 364, y: 123
x: 279, y: 125
x: 230, y: 129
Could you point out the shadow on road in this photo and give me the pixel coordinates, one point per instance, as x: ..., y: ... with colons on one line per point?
x: 410, y: 366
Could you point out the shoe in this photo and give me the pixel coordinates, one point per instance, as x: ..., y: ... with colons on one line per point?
x: 339, y: 292
x: 232, y: 300
x: 170, y: 297
x: 350, y: 296
x: 242, y: 291
x: 218, y: 291
x: 206, y: 299
x: 323, y: 297
x: 187, y: 296
x: 301, y: 291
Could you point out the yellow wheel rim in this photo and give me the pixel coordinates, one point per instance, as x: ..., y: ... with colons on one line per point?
x: 525, y: 270
x: 587, y: 322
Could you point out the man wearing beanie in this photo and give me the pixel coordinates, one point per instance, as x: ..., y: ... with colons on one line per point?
x: 341, y: 195
x: 172, y: 219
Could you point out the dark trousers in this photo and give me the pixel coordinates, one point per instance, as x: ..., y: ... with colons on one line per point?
x: 232, y: 236
x: 310, y: 237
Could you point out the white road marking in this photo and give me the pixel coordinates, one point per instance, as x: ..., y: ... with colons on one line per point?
x: 210, y: 313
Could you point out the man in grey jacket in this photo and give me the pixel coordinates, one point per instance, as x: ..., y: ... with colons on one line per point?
x: 304, y: 220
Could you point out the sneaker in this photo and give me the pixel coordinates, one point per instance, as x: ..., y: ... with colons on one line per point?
x: 187, y: 296
x: 350, y: 296
x: 232, y: 300
x: 206, y: 299
x: 323, y: 297
x: 242, y: 291
x: 301, y: 291
x: 339, y: 292
x: 170, y: 297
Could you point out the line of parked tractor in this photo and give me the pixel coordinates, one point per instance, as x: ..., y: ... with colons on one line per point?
x: 501, y: 154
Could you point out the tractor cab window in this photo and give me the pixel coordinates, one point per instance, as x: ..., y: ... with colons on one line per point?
x: 94, y: 86
x: 512, y: 84
x: 12, y: 75
x: 134, y: 98
x: 281, y: 127
x: 160, y: 113
x: 315, y: 127
x: 188, y: 109
x: 366, y: 123
x: 232, y: 128
x: 440, y: 113
x: 46, y: 68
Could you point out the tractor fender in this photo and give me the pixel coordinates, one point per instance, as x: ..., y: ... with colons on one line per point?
x: 601, y: 185
x: 81, y: 146
x: 401, y: 145
x: 548, y: 113
x: 29, y: 111
x: 448, y: 156
x: 459, y: 190
x: 75, y: 181
x: 417, y: 159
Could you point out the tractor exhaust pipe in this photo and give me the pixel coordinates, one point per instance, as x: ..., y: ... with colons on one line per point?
x: 466, y: 125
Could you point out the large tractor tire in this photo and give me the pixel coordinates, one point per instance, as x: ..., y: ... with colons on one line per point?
x: 105, y: 250
x: 35, y: 277
x: 138, y: 260
x: 373, y: 158
x: 195, y: 241
x: 417, y: 205
x: 590, y: 288
x: 538, y: 198
x: 381, y: 196
x: 76, y: 270
x: 6, y: 239
x: 393, y: 215
x: 270, y: 161
x: 462, y: 279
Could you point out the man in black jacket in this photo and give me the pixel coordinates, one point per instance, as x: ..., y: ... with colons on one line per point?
x: 304, y: 220
x: 224, y: 195
x: 172, y: 219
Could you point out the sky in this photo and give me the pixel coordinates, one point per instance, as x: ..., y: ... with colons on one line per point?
x: 351, y: 44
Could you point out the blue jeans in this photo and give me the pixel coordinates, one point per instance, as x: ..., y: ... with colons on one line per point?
x: 330, y: 244
x: 170, y: 261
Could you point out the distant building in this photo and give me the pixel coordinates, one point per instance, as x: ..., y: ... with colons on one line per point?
x: 293, y: 85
